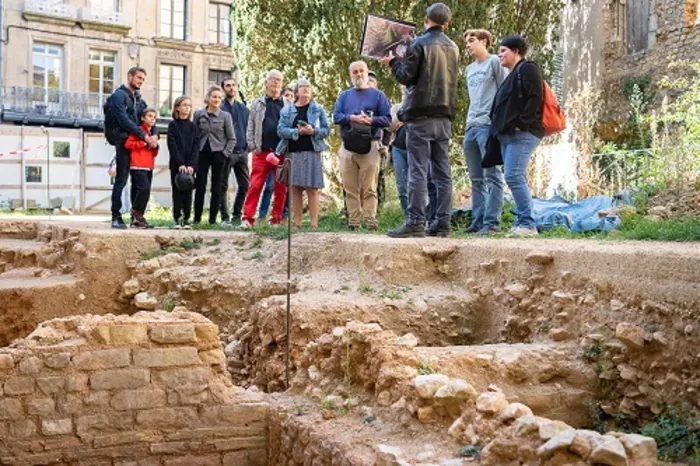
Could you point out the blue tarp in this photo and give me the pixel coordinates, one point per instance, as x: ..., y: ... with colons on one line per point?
x: 579, y: 217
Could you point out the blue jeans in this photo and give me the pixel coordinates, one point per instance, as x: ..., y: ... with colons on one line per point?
x: 516, y: 150
x: 399, y: 157
x: 266, y: 196
x: 487, y: 183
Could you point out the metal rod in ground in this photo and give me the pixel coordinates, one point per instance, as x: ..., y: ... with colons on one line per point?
x: 289, y: 267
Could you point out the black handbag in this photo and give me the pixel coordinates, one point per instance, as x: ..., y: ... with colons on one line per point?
x: 358, y: 139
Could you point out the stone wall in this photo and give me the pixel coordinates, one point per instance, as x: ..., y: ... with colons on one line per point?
x: 143, y: 390
x: 674, y: 36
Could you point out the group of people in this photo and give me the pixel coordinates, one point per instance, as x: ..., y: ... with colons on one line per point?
x: 504, y: 126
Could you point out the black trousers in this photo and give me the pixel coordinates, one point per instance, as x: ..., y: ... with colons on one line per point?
x: 182, y: 200
x: 239, y: 164
x: 217, y: 162
x: 140, y: 189
x: 123, y: 159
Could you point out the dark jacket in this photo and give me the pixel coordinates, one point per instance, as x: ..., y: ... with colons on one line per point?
x: 430, y: 72
x: 240, y: 114
x: 518, y: 104
x: 127, y: 108
x: 183, y: 144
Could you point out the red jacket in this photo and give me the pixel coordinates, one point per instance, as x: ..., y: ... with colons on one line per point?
x: 141, y: 156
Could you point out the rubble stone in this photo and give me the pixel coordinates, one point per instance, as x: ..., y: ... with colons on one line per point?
x: 631, y: 335
x: 428, y: 385
x: 492, y: 403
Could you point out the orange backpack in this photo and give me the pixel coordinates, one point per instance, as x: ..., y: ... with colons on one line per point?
x: 553, y: 117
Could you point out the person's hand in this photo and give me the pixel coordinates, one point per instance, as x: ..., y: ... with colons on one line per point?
x: 183, y: 169
x: 151, y: 140
x: 386, y: 60
x: 190, y: 170
x: 306, y: 130
x: 153, y: 146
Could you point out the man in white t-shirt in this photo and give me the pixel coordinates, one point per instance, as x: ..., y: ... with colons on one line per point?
x: 484, y: 77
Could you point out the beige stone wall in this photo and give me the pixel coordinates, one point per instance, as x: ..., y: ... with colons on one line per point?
x: 147, y: 389
x: 674, y: 36
x: 138, y: 46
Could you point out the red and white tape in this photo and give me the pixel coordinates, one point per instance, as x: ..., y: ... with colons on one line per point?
x: 28, y: 149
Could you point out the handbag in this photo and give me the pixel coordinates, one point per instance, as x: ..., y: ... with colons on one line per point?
x: 358, y: 139
x: 284, y: 172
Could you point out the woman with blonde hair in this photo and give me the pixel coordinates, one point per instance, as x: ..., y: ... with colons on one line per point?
x: 183, y: 145
x: 217, y: 140
x: 302, y: 127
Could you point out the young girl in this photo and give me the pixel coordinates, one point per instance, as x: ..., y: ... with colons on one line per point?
x: 142, y: 162
x: 183, y: 144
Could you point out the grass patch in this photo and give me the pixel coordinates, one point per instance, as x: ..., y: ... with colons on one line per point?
x: 593, y: 352
x: 677, y: 436
x: 469, y: 452
x: 148, y: 255
x: 425, y: 368
x: 214, y: 242
x: 256, y: 256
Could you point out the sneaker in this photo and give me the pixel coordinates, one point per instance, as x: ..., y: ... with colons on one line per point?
x: 137, y: 222
x: 473, y: 228
x: 407, y: 230
x: 118, y: 223
x: 226, y: 223
x: 488, y: 230
x: 245, y: 225
x: 177, y: 225
x: 522, y: 232
x: 437, y: 229
x: 353, y: 227
x: 186, y: 225
x: 373, y: 227
x: 145, y: 222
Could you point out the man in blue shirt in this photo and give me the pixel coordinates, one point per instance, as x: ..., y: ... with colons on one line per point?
x: 239, y: 159
x: 367, y: 111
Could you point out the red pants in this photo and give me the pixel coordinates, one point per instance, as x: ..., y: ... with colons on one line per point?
x: 261, y: 169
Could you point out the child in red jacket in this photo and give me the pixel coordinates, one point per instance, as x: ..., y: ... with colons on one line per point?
x: 142, y: 163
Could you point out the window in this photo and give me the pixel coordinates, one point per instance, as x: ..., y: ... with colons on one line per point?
x: 172, y: 18
x: 61, y: 149
x: 172, y: 85
x: 47, y: 63
x: 637, y: 25
x: 32, y: 174
x: 101, y: 74
x: 219, y: 24
x: 215, y: 77
x: 105, y: 5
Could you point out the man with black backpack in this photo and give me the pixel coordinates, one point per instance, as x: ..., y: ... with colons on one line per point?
x: 122, y: 117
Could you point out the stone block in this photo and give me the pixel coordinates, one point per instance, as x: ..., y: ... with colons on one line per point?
x: 199, y: 460
x: 167, y: 418
x: 207, y: 333
x: 19, y: 386
x: 58, y: 360
x: 166, y: 357
x: 121, y: 438
x: 133, y: 334
x: 120, y: 379
x: 207, y: 433
x: 100, y: 398
x: 214, y: 357
x: 178, y: 333
x: 62, y: 443
x: 69, y: 404
x: 92, y: 456
x: 244, y: 414
x: 41, y: 406
x: 246, y: 458
x: 24, y: 428
x: 103, y: 359
x: 101, y: 335
x: 57, y: 426
x: 239, y: 443
x: 138, y: 399
x: 174, y: 378
x: 77, y: 383
x: 6, y: 362
x: 140, y: 462
x: 102, y: 423
x: 50, y: 385
x: 189, y: 395
x: 30, y: 365
x: 169, y: 447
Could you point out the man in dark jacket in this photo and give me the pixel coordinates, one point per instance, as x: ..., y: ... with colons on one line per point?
x: 238, y: 162
x: 429, y: 72
x: 126, y: 106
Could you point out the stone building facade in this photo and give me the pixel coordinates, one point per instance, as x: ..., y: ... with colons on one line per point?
x: 61, y: 58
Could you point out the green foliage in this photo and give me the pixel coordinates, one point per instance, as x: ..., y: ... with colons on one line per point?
x: 214, y: 242
x: 169, y: 304
x: 672, y: 229
x: 148, y: 255
x: 189, y: 243
x: 469, y: 452
x: 425, y: 368
x: 593, y: 352
x: 327, y: 404
x: 256, y: 256
x: 300, y: 409
x: 365, y: 288
x: 677, y: 436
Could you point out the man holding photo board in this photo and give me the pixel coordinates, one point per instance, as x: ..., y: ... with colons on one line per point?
x: 430, y: 73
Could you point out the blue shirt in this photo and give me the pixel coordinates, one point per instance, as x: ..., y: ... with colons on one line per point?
x: 239, y: 113
x: 355, y: 101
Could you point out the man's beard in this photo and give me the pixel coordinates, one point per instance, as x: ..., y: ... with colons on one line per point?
x: 360, y: 82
